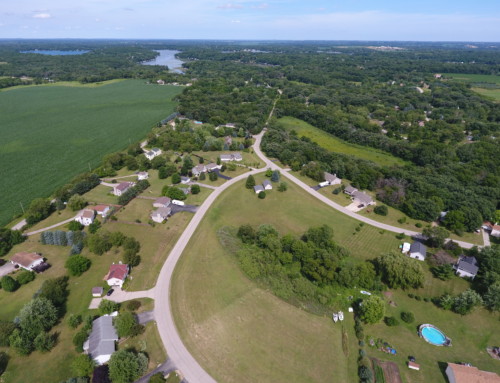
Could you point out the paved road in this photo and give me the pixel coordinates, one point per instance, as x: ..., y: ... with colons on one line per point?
x: 165, y: 368
x: 204, y: 185
x: 184, y: 361
x: 7, y: 269
x: 51, y: 227
x: 338, y: 207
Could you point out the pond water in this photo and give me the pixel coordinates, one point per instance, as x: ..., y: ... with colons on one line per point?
x: 56, y: 52
x: 167, y: 57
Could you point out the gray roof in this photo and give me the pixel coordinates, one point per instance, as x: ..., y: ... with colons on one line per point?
x: 102, y: 338
x: 186, y: 179
x: 267, y: 183
x: 418, y: 247
x: 349, y: 189
x: 258, y: 188
x: 468, y: 264
x: 330, y: 177
x: 362, y: 197
x: 163, y: 201
x: 163, y: 212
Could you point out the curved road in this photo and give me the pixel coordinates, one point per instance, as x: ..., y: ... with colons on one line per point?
x: 177, y: 352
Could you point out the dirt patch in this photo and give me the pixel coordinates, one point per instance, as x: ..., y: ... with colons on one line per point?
x: 388, y: 294
x: 391, y: 371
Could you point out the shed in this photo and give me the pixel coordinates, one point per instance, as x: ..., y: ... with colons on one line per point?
x: 97, y: 291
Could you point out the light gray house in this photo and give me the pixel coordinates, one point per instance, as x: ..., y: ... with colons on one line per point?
x: 267, y: 185
x: 258, y: 188
x: 198, y: 169
x: 417, y: 251
x: 332, y: 179
x: 350, y: 190
x: 467, y: 267
x: 101, y: 343
x: 362, y: 198
x: 161, y: 214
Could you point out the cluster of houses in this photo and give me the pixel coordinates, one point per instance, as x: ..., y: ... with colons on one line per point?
x: 465, y: 266
x: 266, y: 185
x: 88, y: 215
x: 163, y: 210
x: 201, y: 168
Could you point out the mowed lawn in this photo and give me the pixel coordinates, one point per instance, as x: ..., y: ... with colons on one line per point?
x: 51, y: 133
x: 334, y: 144
x: 486, y: 85
x: 241, y: 333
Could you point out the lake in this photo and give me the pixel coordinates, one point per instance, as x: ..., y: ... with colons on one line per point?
x: 167, y: 57
x: 57, y: 53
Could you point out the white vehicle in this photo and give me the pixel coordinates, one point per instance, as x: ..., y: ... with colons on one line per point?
x: 177, y: 202
x: 323, y: 184
x: 341, y: 315
x: 365, y: 292
x: 335, y: 317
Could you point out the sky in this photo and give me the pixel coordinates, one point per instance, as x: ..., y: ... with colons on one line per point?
x: 395, y: 20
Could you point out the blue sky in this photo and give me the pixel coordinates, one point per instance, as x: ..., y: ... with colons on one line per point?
x: 423, y: 20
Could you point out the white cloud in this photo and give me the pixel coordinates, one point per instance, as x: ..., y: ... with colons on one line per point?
x: 235, y: 21
x: 43, y: 15
x: 230, y: 6
x: 261, y: 6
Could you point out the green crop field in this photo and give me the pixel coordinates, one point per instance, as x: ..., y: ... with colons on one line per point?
x: 334, y: 144
x: 491, y: 93
x: 476, y: 78
x: 52, y: 133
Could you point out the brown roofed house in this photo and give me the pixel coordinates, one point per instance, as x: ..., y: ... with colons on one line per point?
x: 116, y: 275
x: 458, y: 373
x: 122, y: 187
x: 162, y: 202
x: 27, y: 261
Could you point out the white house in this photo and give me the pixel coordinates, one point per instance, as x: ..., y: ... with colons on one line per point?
x: 332, y: 179
x: 198, y: 169
x: 27, y: 261
x: 85, y: 216
x: 142, y: 176
x: 258, y: 188
x: 122, y: 187
x: 185, y: 180
x: 102, y: 210
x: 361, y: 198
x: 267, y: 185
x: 162, y: 202
x: 212, y: 166
x: 406, y: 248
x: 417, y: 251
x: 231, y: 157
x: 495, y: 230
x: 161, y: 214
x: 101, y: 342
x: 116, y: 275
x: 150, y: 154
x: 466, y: 267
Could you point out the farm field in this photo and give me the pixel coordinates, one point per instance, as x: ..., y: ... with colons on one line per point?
x: 66, y: 129
x: 331, y: 143
x: 493, y: 93
x: 219, y: 311
x: 486, y: 85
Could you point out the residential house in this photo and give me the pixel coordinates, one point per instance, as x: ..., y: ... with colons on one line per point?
x: 161, y: 214
x: 198, y: 169
x: 332, y: 179
x: 117, y: 274
x: 495, y: 231
x: 228, y: 140
x: 349, y: 190
x: 97, y: 292
x: 27, y: 261
x: 362, y: 198
x: 466, y: 267
x: 237, y: 157
x: 160, y: 82
x: 101, y: 342
x: 162, y: 202
x: 437, y: 75
x: 211, y: 167
x: 459, y: 373
x: 142, y: 176
x: 231, y: 157
x: 185, y: 180
x: 122, y: 187
x: 150, y: 154
x: 417, y: 251
x: 267, y: 185
x: 102, y: 210
x: 258, y: 188
x: 85, y: 216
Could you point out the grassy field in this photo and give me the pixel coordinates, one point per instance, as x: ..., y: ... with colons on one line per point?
x: 51, y: 133
x: 486, y: 85
x: 256, y: 336
x: 492, y: 93
x: 331, y: 143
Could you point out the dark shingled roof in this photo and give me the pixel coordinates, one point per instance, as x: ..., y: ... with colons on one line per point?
x: 418, y: 247
x: 468, y: 264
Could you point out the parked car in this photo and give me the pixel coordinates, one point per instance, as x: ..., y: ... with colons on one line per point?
x: 110, y: 291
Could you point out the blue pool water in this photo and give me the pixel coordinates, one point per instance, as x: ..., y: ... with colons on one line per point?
x: 433, y: 336
x: 57, y: 53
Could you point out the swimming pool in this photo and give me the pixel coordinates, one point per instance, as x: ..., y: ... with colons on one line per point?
x: 433, y: 335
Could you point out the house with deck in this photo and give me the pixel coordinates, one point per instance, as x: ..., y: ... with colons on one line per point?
x: 27, y: 261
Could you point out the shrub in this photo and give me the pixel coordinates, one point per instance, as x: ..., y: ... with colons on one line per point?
x: 6, y: 329
x: 25, y: 277
x: 372, y: 310
x: 283, y: 186
x: 195, y: 189
x: 176, y: 178
x: 250, y: 182
x: 212, y: 176
x: 407, y: 316
x: 75, y: 226
x: 418, y: 224
x: 82, y: 365
x: 381, y: 210
x: 157, y: 378
x: 94, y: 226
x: 9, y: 284
x: 107, y: 307
x: 126, y: 325
x: 79, y: 339
x: 262, y: 195
x: 44, y: 342
x: 391, y: 321
x: 77, y: 202
x: 74, y: 320
x: 133, y: 305
x: 77, y: 265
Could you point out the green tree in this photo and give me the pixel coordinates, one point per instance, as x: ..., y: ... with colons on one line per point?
x: 44, y: 342
x: 77, y: 202
x: 275, y: 177
x: 492, y: 297
x: 74, y: 320
x: 269, y: 173
x: 372, y: 310
x: 36, y: 316
x: 40, y: 208
x: 94, y: 226
x: 400, y: 271
x: 381, y: 210
x: 443, y: 272
x: 9, y: 284
x: 75, y: 226
x: 283, y: 186
x: 176, y: 178
x: 6, y: 329
x: 55, y: 290
x: 158, y: 162
x: 126, y: 366
x: 250, y: 182
x: 25, y: 277
x: 436, y: 236
x: 107, y: 307
x: 126, y: 325
x: 262, y: 195
x: 82, y: 365
x: 22, y: 344
x: 97, y: 244
x: 407, y: 316
x: 77, y: 265
x: 195, y: 189
x: 212, y: 176
x: 465, y: 302
x: 246, y: 233
x: 455, y: 221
